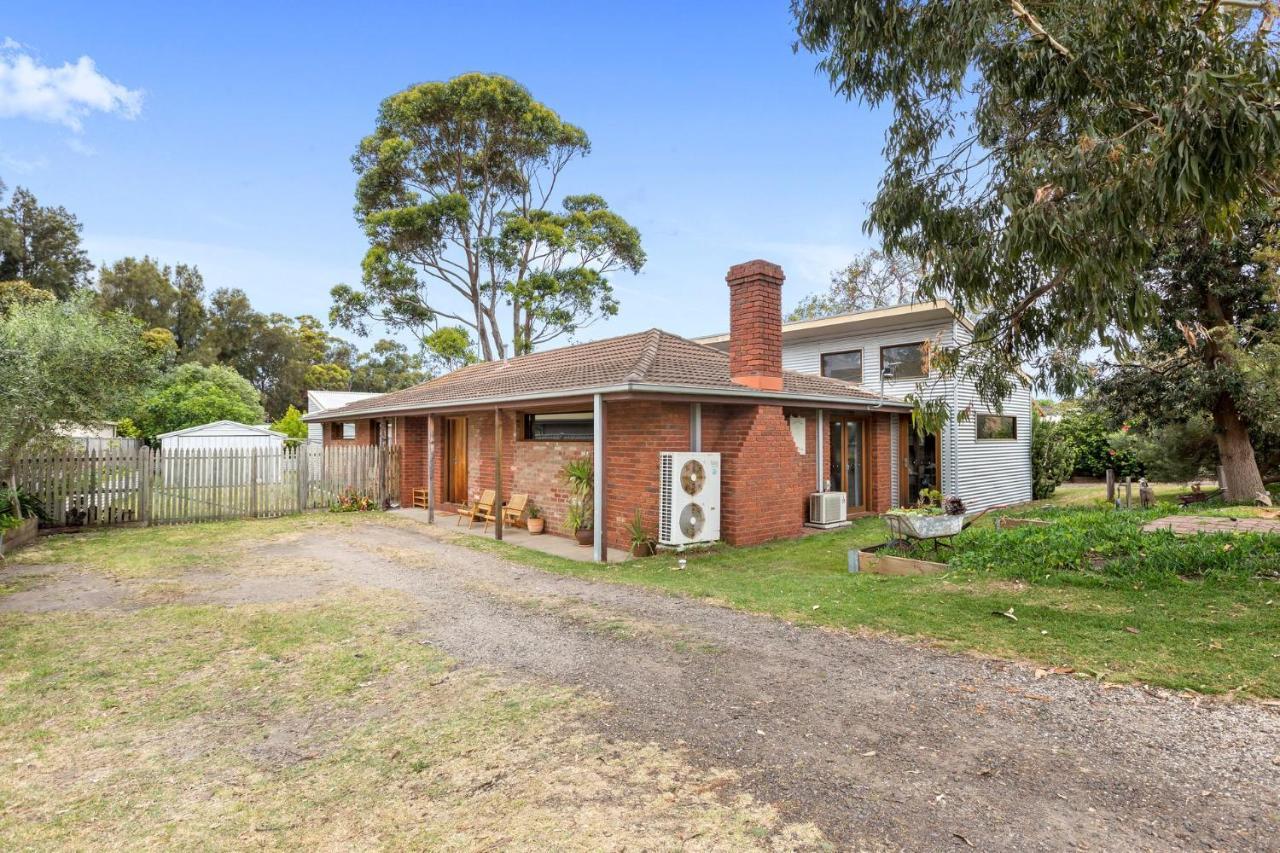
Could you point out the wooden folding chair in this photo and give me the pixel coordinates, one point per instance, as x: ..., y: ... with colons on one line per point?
x: 514, y: 510
x: 480, y: 509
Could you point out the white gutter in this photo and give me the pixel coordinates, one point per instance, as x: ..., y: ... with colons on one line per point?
x: 624, y: 388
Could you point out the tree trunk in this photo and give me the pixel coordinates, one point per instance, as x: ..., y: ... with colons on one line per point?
x: 9, y: 478
x: 1241, y: 478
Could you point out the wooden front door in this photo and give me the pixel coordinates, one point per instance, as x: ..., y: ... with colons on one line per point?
x: 455, y: 460
x: 851, y: 460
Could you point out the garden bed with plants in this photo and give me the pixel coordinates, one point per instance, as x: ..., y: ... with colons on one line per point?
x: 1105, y: 544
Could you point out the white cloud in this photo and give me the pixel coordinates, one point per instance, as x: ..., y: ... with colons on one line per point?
x: 22, y: 165
x: 81, y: 147
x: 62, y: 95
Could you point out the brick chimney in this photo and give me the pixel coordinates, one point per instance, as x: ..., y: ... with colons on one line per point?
x: 755, y: 324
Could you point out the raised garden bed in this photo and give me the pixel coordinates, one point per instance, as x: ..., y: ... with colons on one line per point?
x: 14, y: 538
x: 875, y: 561
x: 1010, y: 523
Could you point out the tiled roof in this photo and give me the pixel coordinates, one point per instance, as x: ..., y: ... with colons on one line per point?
x: 652, y: 358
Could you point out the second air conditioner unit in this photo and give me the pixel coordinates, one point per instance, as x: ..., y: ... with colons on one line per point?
x: 828, y: 509
x: 688, y: 498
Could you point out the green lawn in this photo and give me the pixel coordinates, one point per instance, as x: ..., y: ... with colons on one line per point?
x: 1213, y: 635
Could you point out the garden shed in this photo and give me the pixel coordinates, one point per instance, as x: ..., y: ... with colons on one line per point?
x: 220, y: 450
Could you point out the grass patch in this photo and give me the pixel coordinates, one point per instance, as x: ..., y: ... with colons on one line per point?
x: 1214, y: 634
x: 170, y: 550
x: 319, y: 725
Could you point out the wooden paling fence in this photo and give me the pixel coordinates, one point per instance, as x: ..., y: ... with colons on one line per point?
x: 147, y: 486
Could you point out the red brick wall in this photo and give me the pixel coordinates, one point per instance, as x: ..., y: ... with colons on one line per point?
x: 635, y: 434
x: 765, y: 480
x: 364, y: 435
x: 755, y: 324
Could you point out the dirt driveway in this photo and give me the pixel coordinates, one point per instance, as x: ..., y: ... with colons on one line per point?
x: 881, y: 744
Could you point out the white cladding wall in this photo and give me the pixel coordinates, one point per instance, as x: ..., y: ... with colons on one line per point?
x: 982, y: 473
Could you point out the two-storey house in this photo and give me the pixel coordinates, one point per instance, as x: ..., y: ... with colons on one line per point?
x: 984, y: 458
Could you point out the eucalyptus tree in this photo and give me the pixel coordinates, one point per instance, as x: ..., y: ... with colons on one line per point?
x: 41, y: 245
x: 457, y: 195
x: 1041, y: 152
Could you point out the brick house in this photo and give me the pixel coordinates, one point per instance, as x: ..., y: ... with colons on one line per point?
x: 513, y: 424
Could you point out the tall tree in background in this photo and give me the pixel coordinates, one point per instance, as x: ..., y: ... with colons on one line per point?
x: 1214, y: 344
x: 871, y: 280
x: 41, y: 246
x: 1041, y: 152
x: 194, y: 394
x: 457, y: 196
x: 387, y: 366
x: 161, y: 297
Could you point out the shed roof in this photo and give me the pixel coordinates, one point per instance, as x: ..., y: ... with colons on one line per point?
x: 237, y: 429
x: 645, y: 362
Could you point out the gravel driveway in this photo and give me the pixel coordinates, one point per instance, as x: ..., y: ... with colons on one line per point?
x: 882, y: 744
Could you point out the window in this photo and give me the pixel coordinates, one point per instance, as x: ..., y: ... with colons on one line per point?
x: 997, y: 427
x: 559, y: 426
x: 907, y: 361
x: 345, y: 432
x: 843, y: 365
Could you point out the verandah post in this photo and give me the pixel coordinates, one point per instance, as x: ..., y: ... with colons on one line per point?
x: 431, y: 469
x: 497, y: 474
x: 599, y: 525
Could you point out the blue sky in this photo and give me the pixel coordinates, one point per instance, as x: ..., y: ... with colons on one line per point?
x: 709, y: 134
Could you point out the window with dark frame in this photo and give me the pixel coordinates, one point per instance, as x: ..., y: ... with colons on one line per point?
x: 845, y: 365
x: 342, y: 431
x: 559, y: 426
x: 997, y: 427
x: 906, y: 361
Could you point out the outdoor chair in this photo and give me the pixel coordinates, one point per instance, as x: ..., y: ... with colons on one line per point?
x: 514, y: 509
x: 481, y: 509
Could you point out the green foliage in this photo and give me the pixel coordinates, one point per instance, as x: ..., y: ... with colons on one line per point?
x: 579, y: 474
x: 352, y: 499
x: 41, y: 246
x: 455, y: 189
x: 1111, y: 543
x: 30, y: 505
x: 193, y: 394
x: 388, y: 366
x: 1052, y: 457
x: 637, y: 533
x: 871, y: 280
x: 327, y: 377
x: 15, y: 293
x: 63, y: 363
x: 1041, y: 160
x: 449, y: 348
x: 1095, y: 444
x: 1176, y: 452
x: 165, y: 297
x: 291, y: 425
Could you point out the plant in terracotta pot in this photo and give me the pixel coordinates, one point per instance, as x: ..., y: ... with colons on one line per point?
x: 536, y: 521
x: 579, y: 474
x: 641, y: 541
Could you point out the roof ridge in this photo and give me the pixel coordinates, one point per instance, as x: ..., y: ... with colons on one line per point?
x: 653, y: 338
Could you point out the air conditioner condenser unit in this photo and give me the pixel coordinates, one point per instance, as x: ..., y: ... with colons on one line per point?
x: 688, y: 498
x: 828, y: 510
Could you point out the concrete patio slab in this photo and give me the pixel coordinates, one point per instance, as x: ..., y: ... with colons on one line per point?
x: 557, y: 546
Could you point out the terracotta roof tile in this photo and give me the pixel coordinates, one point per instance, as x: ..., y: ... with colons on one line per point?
x: 654, y: 357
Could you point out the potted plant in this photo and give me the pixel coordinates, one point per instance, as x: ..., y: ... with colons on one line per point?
x: 536, y: 521
x: 576, y: 519
x: 641, y: 541
x: 579, y: 474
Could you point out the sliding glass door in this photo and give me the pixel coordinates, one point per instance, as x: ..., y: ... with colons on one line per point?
x: 849, y: 460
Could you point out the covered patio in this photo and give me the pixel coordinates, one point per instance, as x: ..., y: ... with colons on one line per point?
x: 556, y: 546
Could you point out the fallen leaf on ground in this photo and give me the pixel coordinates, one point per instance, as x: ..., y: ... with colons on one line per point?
x: 1131, y: 629
x: 1008, y: 614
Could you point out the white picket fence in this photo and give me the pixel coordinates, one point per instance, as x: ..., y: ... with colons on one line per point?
x: 149, y: 486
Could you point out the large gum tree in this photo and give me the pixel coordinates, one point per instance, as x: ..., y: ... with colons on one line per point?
x: 457, y: 194
x: 1041, y: 154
